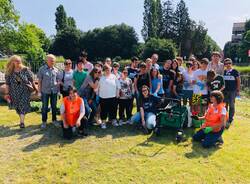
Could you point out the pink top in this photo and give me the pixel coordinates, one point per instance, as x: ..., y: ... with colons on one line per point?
x: 88, y: 66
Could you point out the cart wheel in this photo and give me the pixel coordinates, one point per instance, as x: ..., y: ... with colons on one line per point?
x: 157, y: 131
x: 179, y: 136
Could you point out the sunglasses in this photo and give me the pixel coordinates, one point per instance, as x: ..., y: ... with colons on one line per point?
x: 144, y: 90
x: 68, y: 63
x: 125, y: 72
x: 227, y: 63
x: 98, y: 72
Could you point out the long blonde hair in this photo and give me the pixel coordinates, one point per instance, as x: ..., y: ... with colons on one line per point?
x: 11, y: 66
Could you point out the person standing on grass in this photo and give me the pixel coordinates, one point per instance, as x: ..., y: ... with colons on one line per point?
x: 215, y: 64
x: 79, y: 75
x: 215, y: 120
x: 17, y: 77
x: 148, y: 108
x: 125, y: 99
x: 200, y: 87
x: 149, y: 64
x: 178, y: 80
x: 154, y: 59
x: 48, y: 86
x: 115, y: 70
x: 142, y: 78
x: 232, y: 88
x: 188, y: 77
x: 168, y: 77
x: 108, y: 92
x: 108, y: 61
x: 72, y: 113
x: 88, y: 67
x: 66, y: 78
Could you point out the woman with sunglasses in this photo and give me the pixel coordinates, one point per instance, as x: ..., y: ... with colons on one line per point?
x: 66, y: 78
x: 178, y: 80
x: 188, y: 86
x: 88, y: 92
x: 147, y: 114
x: 125, y: 100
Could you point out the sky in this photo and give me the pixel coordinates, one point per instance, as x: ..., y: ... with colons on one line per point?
x: 218, y: 15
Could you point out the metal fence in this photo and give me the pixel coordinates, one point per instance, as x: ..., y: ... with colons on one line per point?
x: 245, y: 81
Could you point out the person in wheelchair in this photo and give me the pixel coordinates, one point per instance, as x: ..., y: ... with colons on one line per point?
x: 72, y: 113
x: 148, y: 109
x: 215, y: 121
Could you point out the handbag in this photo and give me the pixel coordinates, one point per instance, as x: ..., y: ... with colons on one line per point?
x: 27, y: 84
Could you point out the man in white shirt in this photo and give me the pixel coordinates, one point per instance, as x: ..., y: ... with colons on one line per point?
x: 215, y: 64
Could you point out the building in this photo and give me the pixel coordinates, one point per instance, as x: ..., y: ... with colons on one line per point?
x: 238, y: 31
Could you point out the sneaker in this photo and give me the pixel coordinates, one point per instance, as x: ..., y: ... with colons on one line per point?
x: 114, y: 123
x: 121, y: 122
x: 43, y: 125
x: 129, y: 122
x: 103, y: 125
x: 56, y: 123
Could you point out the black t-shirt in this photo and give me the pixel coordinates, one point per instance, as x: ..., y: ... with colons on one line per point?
x: 132, y: 73
x: 216, y: 84
x: 149, y: 104
x: 143, y: 79
x: 230, y: 79
x: 167, y: 76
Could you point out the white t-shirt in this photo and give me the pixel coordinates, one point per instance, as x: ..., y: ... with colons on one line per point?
x: 188, y: 79
x: 108, y: 86
x: 200, y: 87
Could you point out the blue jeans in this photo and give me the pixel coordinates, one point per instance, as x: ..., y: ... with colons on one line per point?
x: 45, y: 103
x: 150, y: 119
x: 209, y: 139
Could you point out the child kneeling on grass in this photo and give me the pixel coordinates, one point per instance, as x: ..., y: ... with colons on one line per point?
x: 72, y: 113
x: 215, y: 120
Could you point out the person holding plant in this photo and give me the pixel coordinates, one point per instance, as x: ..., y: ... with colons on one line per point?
x: 215, y: 121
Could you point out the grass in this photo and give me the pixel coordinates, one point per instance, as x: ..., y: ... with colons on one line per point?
x: 120, y: 155
x: 243, y: 69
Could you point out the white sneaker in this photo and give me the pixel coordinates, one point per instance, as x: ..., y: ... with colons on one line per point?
x: 114, y: 123
x: 43, y: 125
x: 121, y: 122
x: 103, y: 126
x: 129, y: 122
x: 56, y: 123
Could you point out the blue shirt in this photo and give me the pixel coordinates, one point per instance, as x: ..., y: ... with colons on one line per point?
x: 155, y: 83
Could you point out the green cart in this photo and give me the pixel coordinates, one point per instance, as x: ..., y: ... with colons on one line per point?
x: 172, y: 115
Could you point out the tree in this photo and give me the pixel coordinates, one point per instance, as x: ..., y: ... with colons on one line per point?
x: 166, y: 49
x: 168, y: 20
x: 111, y: 41
x: 232, y: 51
x: 61, y: 18
x: 149, y: 28
x: 182, y: 27
x: 66, y: 43
x: 71, y: 22
x: 160, y: 23
x: 198, y: 41
x: 247, y: 26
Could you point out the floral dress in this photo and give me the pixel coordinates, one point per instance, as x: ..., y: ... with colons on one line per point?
x: 18, y: 91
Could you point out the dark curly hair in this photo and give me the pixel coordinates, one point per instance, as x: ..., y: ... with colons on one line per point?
x: 218, y: 95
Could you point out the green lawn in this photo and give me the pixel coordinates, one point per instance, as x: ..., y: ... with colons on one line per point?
x: 120, y: 155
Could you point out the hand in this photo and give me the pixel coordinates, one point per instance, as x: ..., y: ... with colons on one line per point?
x: 39, y: 94
x: 155, y: 94
x: 90, y: 101
x: 207, y: 130
x: 143, y: 123
x: 78, y: 123
x: 195, y: 117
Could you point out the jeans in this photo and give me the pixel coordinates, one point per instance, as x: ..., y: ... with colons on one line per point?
x: 150, y: 119
x: 209, y: 139
x: 230, y: 102
x: 45, y: 103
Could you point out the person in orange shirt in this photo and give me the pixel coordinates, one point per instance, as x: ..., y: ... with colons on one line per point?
x: 215, y: 120
x: 72, y: 114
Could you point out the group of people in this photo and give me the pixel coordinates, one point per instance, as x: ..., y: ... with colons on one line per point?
x: 102, y: 92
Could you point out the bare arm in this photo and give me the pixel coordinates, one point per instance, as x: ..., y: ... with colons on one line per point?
x: 142, y: 116
x: 238, y: 84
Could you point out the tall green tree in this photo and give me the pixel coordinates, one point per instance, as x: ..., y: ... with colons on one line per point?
x: 61, y: 18
x: 149, y: 29
x: 71, y: 22
x: 182, y: 27
x: 160, y: 19
x: 168, y: 20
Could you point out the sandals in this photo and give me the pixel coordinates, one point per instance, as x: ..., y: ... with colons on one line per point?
x: 22, y: 125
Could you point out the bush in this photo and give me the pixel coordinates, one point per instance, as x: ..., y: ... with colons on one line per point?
x: 164, y: 48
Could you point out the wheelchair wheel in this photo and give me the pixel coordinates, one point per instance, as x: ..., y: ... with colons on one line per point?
x: 179, y: 136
